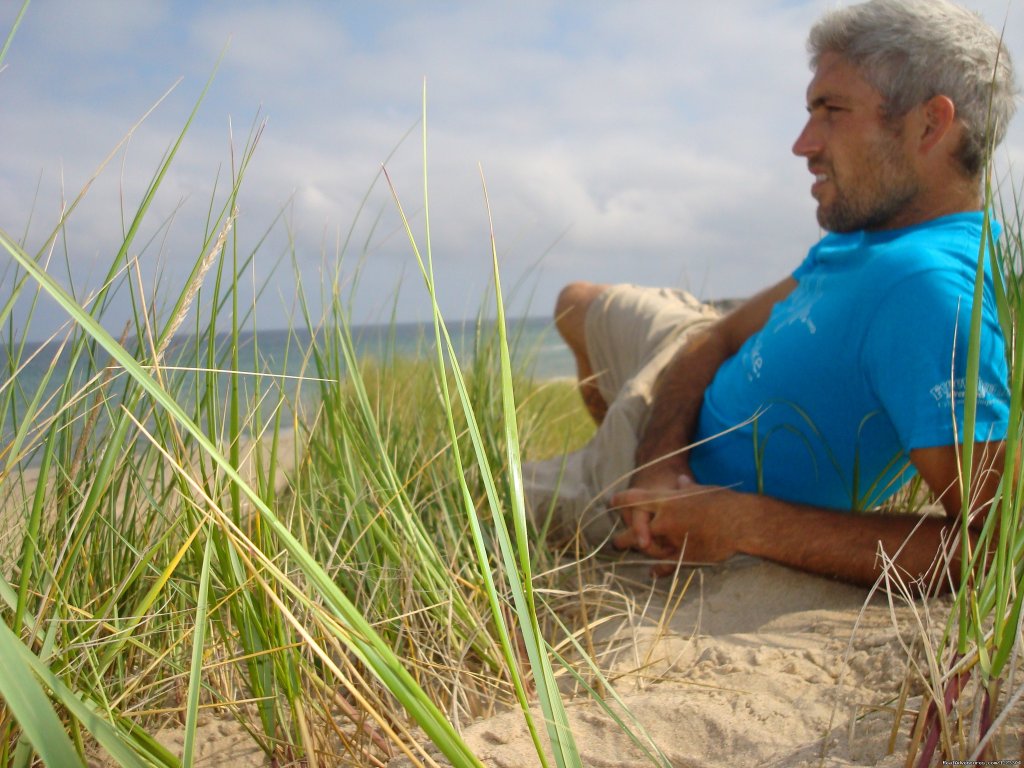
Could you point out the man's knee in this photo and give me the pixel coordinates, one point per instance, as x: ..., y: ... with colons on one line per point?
x: 571, y: 309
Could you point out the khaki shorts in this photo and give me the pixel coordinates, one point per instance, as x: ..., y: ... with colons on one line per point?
x: 632, y: 333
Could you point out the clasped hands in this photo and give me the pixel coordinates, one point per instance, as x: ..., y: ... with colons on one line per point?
x: 687, y: 519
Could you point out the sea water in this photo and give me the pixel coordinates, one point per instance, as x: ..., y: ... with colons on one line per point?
x: 278, y: 360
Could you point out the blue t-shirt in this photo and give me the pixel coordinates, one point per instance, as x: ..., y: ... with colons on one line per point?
x: 865, y: 360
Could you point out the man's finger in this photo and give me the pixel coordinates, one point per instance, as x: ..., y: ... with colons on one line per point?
x: 637, y: 515
x: 664, y: 569
x: 641, y: 528
x: 637, y: 535
x: 625, y: 540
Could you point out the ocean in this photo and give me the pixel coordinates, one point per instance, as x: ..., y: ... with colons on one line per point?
x: 279, y: 356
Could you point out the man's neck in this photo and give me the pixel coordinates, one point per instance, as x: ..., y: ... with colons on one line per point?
x: 959, y: 196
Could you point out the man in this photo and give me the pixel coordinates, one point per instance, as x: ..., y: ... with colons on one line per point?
x: 768, y: 431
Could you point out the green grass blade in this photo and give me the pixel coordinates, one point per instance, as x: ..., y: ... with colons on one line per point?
x: 566, y: 751
x: 517, y: 569
x: 10, y: 35
x: 361, y: 638
x: 21, y: 691
x: 480, y: 548
x: 48, y: 737
x: 196, y: 672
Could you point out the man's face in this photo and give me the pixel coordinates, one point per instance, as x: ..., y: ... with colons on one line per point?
x: 864, y: 177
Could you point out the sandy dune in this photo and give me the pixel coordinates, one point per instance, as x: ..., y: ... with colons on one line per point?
x: 758, y: 665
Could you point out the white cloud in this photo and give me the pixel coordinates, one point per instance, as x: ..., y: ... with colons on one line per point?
x: 642, y: 141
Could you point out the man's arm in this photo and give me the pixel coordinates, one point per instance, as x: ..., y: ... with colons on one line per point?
x: 679, y: 391
x: 706, y: 524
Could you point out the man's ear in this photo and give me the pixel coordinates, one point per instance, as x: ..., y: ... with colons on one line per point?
x: 939, y: 118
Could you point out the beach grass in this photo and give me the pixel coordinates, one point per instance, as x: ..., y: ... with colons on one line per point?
x: 969, y: 669
x: 341, y: 563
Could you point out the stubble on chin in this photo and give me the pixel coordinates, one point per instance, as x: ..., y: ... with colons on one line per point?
x: 884, y: 206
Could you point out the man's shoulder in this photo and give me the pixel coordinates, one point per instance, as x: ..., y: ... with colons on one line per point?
x: 940, y: 259
x: 956, y: 237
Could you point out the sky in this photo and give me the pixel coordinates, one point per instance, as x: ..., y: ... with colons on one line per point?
x: 645, y: 142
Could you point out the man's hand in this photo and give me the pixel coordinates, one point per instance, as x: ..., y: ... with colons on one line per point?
x: 710, y: 524
x: 690, y: 520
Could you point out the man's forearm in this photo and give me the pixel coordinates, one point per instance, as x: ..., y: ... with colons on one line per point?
x: 678, y: 397
x: 679, y: 391
x: 708, y: 524
x: 844, y: 546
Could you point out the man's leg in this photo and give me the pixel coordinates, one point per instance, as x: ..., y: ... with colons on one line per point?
x: 570, y: 319
x: 621, y: 337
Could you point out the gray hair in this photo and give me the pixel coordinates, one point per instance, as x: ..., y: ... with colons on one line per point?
x: 912, y: 50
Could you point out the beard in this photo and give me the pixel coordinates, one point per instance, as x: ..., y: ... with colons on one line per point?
x: 881, y: 190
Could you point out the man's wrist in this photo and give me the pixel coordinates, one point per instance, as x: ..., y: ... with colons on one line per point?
x: 664, y: 474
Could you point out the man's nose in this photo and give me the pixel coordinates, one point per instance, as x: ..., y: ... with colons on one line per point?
x: 807, y: 143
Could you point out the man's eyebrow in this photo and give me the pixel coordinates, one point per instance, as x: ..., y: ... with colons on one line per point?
x: 824, y: 99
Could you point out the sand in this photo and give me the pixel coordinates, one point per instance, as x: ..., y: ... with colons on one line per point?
x: 754, y: 665
x: 758, y: 665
